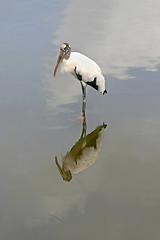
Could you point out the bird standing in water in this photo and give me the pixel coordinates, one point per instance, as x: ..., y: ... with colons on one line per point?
x: 82, y: 68
x: 84, y: 152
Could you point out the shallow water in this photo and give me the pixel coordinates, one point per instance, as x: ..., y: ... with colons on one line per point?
x: 117, y: 197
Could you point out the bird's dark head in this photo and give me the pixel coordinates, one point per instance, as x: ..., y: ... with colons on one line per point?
x: 66, y: 174
x: 65, y: 51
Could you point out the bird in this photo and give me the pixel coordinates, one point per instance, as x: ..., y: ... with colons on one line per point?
x: 83, y: 154
x: 83, y: 69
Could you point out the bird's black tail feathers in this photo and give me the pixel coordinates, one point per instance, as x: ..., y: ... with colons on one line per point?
x: 105, y: 91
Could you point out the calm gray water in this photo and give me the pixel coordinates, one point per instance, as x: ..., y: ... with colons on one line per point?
x: 118, y: 196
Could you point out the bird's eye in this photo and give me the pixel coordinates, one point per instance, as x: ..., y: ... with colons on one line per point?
x: 63, y: 48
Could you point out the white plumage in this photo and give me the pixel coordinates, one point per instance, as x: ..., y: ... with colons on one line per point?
x: 86, y: 68
x: 82, y: 68
x: 83, y: 154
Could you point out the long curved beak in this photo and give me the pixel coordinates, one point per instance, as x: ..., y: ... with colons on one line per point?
x: 60, y: 59
x: 67, y: 176
x: 62, y: 172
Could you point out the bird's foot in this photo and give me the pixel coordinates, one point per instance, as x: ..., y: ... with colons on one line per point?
x: 82, y: 116
x: 75, y: 117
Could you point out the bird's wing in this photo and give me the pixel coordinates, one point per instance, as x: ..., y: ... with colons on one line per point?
x: 84, y: 64
x: 86, y: 70
x: 86, y: 151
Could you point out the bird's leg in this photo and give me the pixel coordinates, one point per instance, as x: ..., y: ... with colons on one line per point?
x: 84, y: 128
x: 84, y: 99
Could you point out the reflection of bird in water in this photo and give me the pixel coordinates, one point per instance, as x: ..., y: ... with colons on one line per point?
x: 83, y: 154
x: 82, y: 68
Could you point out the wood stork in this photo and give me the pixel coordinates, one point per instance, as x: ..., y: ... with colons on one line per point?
x: 82, y: 68
x: 83, y: 154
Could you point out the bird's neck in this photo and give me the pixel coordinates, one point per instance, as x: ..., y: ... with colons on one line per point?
x: 67, y: 56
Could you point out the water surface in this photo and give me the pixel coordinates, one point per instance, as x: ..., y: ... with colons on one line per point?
x: 117, y: 197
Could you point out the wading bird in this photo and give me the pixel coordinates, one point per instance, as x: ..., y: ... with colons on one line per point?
x: 83, y: 154
x: 82, y: 68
